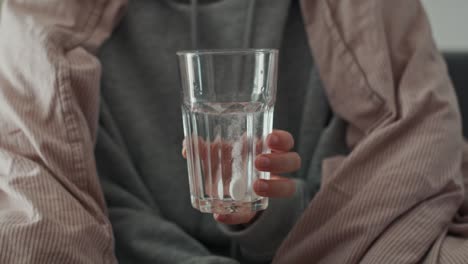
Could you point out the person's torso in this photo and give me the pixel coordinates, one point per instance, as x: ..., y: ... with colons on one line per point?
x: 141, y: 87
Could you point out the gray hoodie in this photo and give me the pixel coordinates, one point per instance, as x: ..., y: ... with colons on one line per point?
x: 143, y: 175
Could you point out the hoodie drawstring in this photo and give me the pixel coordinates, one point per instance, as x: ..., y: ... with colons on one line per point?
x: 247, y: 39
x: 194, y: 23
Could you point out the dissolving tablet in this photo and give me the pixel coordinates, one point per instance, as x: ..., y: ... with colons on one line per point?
x: 238, y: 189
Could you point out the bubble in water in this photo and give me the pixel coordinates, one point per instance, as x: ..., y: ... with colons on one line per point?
x: 197, y: 88
x: 238, y: 186
x: 234, y: 108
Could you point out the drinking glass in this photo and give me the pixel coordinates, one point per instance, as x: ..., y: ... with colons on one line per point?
x: 228, y: 102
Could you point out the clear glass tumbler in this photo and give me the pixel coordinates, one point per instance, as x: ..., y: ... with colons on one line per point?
x: 228, y: 103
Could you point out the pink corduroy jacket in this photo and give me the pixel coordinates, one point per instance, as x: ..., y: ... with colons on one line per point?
x: 398, y: 197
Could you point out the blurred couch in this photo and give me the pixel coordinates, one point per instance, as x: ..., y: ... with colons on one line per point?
x: 458, y: 70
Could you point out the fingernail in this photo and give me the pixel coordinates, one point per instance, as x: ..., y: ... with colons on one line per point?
x: 263, y: 162
x: 273, y: 139
x: 220, y: 217
x: 261, y: 186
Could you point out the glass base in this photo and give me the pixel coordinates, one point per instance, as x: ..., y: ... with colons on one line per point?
x: 228, y: 206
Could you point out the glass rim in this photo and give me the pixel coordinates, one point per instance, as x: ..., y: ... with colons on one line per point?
x: 225, y: 52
